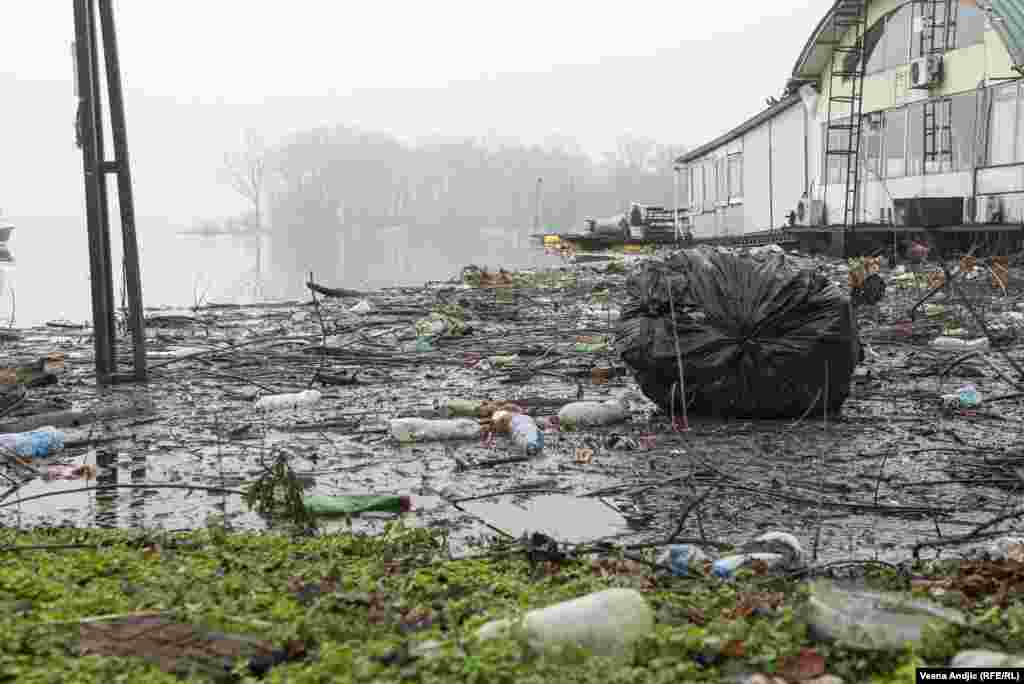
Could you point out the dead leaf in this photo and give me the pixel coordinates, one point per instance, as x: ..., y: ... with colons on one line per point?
x: 584, y: 455
x: 807, y: 665
x: 696, y: 616
x: 734, y: 649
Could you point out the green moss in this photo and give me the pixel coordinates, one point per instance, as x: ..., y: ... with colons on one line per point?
x: 359, y: 603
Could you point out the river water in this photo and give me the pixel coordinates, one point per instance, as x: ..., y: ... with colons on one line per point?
x: 49, y: 276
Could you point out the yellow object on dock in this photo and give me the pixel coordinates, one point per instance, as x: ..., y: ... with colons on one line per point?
x: 552, y: 240
x: 632, y: 249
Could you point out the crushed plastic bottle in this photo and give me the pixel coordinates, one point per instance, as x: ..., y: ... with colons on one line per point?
x: 954, y: 344
x: 407, y: 430
x: 871, y: 620
x: 279, y: 402
x: 593, y: 413
x: 727, y: 567
x: 526, y: 435
x: 34, y: 444
x: 364, y: 306
x: 607, y: 623
x: 423, y: 344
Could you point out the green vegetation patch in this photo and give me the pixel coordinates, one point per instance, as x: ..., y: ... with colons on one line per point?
x: 353, y: 608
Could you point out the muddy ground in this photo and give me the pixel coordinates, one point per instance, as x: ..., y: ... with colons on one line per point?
x: 894, y: 470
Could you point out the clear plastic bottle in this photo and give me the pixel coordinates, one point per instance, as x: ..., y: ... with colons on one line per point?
x: 278, y: 402
x: 955, y: 344
x: 593, y: 413
x: 526, y: 435
x: 407, y: 430
x: 35, y: 444
x: 607, y: 622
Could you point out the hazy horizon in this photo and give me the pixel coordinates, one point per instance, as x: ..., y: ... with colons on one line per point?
x: 678, y: 76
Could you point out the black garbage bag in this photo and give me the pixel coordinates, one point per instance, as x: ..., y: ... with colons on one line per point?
x: 757, y: 339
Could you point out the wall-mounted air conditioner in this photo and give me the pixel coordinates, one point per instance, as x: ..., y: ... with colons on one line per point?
x: 926, y: 72
x: 810, y: 212
x: 992, y: 210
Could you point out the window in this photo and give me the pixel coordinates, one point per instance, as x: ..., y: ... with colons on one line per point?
x: 964, y: 119
x: 897, y: 38
x: 874, y: 46
x: 970, y: 24
x: 735, y: 176
x: 709, y: 186
x: 723, y: 181
x: 895, y: 143
x: 1002, y: 132
x: 871, y: 144
x: 697, y: 197
x: 915, y: 140
x: 838, y: 140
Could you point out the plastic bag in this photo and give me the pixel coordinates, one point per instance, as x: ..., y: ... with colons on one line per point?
x: 757, y: 339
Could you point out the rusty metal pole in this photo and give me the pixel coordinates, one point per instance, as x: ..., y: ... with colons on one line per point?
x: 125, y: 199
x: 99, y: 259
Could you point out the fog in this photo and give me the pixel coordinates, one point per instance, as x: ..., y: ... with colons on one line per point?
x: 400, y: 139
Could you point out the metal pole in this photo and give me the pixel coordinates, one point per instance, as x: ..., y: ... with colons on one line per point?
x: 125, y: 199
x: 91, y: 171
x: 101, y: 179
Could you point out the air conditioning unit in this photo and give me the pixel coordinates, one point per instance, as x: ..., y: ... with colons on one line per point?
x: 810, y: 212
x: 926, y: 72
x: 992, y: 210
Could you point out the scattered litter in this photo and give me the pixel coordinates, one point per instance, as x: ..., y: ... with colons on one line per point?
x: 353, y: 504
x: 407, y: 430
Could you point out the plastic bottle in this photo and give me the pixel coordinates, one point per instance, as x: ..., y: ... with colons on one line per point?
x: 278, y: 402
x: 680, y: 558
x: 468, y: 408
x: 728, y: 566
x: 422, y: 430
x: 351, y: 504
x: 968, y: 396
x: 526, y: 435
x: 954, y: 344
x: 35, y: 444
x: 607, y: 623
x: 593, y: 413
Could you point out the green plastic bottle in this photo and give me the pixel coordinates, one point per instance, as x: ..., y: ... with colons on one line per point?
x: 352, y: 504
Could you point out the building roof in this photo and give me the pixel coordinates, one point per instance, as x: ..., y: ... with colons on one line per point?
x: 753, y: 122
x: 1008, y: 20
x: 1007, y: 17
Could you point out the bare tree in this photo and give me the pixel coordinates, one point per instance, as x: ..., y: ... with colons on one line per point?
x: 245, y: 170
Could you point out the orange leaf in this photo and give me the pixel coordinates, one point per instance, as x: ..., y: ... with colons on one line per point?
x: 734, y: 649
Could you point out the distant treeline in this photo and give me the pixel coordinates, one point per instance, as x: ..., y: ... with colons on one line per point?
x: 322, y: 185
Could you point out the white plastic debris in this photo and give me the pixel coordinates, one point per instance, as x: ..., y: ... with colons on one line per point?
x: 362, y: 307
x: 593, y: 413
x: 607, y: 623
x: 407, y: 430
x: 955, y: 344
x: 278, y: 402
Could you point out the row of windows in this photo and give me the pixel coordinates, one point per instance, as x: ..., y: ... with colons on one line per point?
x: 715, y: 181
x: 903, y: 142
x: 904, y: 35
x: 894, y: 144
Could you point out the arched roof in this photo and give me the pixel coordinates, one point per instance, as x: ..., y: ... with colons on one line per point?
x: 1007, y: 17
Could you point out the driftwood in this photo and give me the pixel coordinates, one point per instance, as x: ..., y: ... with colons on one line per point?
x: 78, y: 417
x: 333, y: 291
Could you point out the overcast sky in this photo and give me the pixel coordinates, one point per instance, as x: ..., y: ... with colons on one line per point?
x: 198, y: 72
